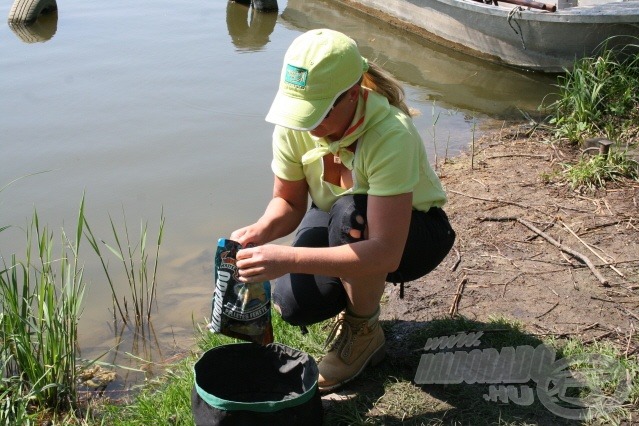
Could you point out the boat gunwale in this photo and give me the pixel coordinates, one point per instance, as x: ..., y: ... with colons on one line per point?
x: 606, y: 13
x: 428, y: 18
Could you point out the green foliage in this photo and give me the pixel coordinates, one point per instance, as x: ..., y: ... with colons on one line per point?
x: 161, y: 401
x: 593, y: 172
x: 351, y: 412
x: 312, y: 342
x: 40, y: 306
x: 40, y: 300
x: 134, y: 259
x: 14, y: 403
x: 598, y: 96
x: 608, y: 372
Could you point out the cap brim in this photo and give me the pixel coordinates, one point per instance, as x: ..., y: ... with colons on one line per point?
x: 297, y: 114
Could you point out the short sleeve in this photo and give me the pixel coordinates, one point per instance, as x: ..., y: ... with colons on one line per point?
x: 286, y: 162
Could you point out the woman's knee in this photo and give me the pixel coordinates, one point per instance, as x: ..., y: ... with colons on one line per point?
x: 347, y: 222
x: 285, y: 304
x: 303, y: 299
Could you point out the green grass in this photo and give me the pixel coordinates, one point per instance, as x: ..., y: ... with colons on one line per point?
x: 598, y: 98
x: 623, y: 379
x: 598, y: 170
x: 40, y: 300
x: 167, y: 399
x: 387, y: 394
x: 399, y: 401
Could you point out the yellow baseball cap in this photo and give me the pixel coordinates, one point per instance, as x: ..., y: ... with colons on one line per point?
x: 319, y: 66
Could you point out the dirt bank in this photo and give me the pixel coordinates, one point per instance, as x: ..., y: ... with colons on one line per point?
x: 522, y: 240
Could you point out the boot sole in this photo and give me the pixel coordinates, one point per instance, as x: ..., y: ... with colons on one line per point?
x: 373, y: 360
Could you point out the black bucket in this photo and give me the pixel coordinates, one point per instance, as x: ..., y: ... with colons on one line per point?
x: 250, y: 384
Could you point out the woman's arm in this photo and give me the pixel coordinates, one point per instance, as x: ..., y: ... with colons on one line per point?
x: 282, y: 215
x: 388, y: 221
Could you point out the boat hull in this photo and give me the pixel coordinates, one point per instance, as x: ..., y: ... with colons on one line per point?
x: 526, y: 38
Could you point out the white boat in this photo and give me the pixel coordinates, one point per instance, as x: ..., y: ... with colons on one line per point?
x: 453, y: 80
x: 514, y: 34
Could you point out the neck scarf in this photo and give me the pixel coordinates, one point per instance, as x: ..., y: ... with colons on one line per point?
x: 339, y: 148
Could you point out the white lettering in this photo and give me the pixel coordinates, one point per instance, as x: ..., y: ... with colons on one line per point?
x: 218, y: 297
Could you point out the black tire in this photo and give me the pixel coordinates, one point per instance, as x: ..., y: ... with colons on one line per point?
x: 28, y: 10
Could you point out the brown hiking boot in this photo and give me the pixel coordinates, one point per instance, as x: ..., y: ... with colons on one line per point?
x: 357, y: 343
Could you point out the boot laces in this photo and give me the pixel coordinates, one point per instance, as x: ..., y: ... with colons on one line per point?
x: 342, y: 336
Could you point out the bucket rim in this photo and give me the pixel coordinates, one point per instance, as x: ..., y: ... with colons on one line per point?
x: 260, y: 406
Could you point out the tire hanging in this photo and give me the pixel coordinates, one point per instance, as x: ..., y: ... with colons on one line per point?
x: 27, y: 11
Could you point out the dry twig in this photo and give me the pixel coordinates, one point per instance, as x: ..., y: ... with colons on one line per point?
x: 631, y: 333
x: 512, y: 203
x: 548, y: 311
x: 597, y: 338
x: 590, y: 248
x: 603, y: 225
x: 589, y: 327
x: 518, y: 155
x: 503, y: 291
x: 458, y: 261
x: 629, y: 312
x: 554, y: 242
x: 534, y: 236
x: 460, y: 289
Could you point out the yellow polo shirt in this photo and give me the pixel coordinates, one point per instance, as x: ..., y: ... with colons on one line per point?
x: 390, y: 158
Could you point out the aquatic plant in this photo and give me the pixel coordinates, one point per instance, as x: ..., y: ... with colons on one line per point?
x: 40, y: 299
x: 134, y: 259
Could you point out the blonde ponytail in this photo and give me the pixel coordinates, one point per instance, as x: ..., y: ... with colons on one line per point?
x: 383, y: 83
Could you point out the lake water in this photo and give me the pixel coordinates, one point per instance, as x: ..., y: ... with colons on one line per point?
x: 154, y: 106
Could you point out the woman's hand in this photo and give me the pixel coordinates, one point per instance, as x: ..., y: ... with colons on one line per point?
x: 265, y: 262
x: 282, y: 215
x: 251, y: 234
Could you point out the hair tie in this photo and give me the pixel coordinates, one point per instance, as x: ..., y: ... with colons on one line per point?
x: 364, y: 64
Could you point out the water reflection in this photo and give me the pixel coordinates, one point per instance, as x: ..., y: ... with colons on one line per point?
x: 40, y: 31
x: 249, y: 28
x: 451, y: 78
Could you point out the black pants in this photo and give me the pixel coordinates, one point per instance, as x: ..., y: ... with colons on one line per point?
x: 305, y: 299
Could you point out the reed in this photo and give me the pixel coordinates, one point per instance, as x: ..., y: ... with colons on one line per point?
x: 435, y: 116
x: 40, y: 299
x: 134, y: 258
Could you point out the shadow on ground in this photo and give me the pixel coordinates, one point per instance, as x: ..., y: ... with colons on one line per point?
x: 388, y: 395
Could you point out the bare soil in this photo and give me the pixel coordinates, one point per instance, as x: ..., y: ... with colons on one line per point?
x: 501, y: 266
x: 524, y: 237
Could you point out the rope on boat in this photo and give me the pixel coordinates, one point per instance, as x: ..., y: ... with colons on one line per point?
x: 511, y: 18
